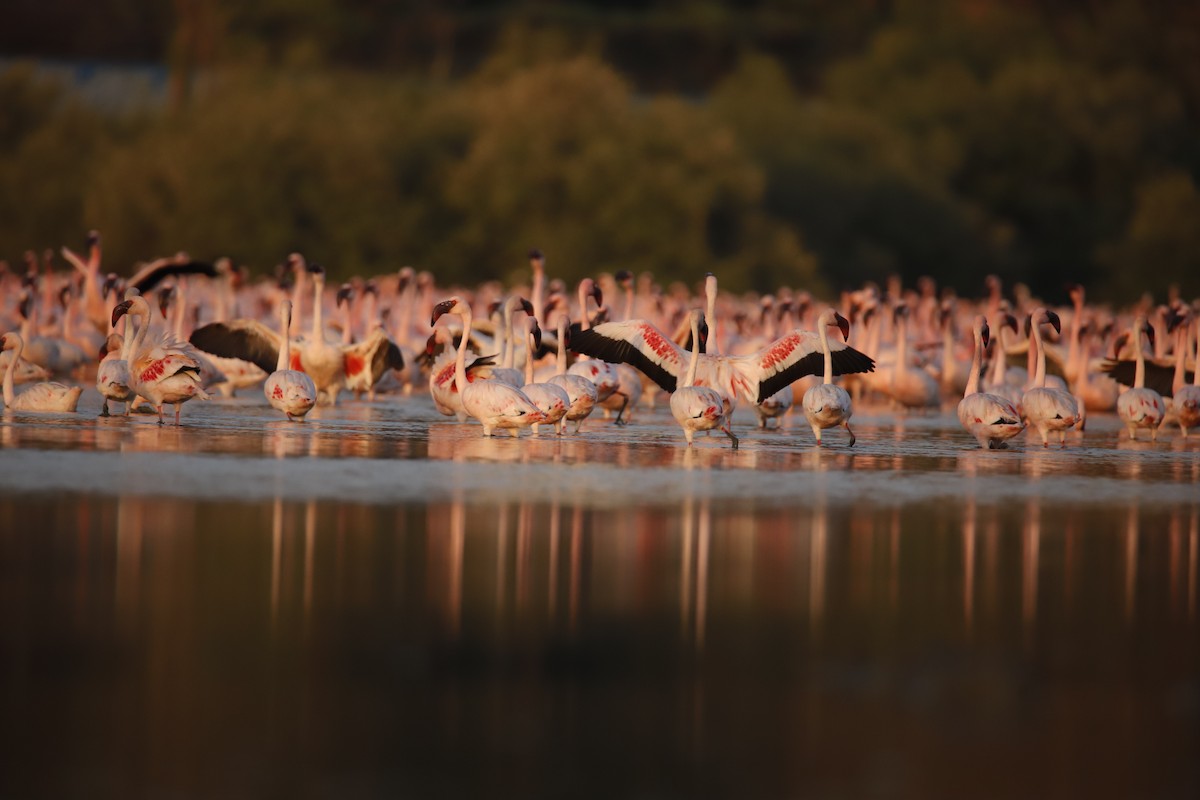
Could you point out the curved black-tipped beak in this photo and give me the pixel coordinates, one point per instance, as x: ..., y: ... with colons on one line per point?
x: 986, y: 335
x: 316, y: 269
x: 1174, y: 320
x: 1009, y: 321
x: 623, y: 276
x: 345, y: 294
x: 536, y: 331
x: 121, y: 310
x: 371, y: 288
x: 843, y: 326
x: 441, y: 308
x: 527, y: 306
x: 1148, y: 329
x: 536, y: 255
x: 597, y: 295
x: 1055, y: 322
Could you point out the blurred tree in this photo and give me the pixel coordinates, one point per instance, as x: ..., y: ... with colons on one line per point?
x: 1161, y: 245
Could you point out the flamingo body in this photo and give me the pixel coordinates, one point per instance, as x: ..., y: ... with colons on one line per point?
x: 49, y: 396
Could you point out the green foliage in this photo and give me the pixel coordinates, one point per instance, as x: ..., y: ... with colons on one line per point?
x: 841, y: 144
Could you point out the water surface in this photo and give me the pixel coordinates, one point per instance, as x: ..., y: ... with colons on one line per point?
x: 381, y: 603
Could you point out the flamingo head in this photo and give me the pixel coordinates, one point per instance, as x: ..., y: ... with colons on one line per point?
x: 992, y: 282
x: 121, y: 310
x: 404, y: 278
x: 535, y: 334
x: 526, y: 306
x: 589, y: 288
x: 1148, y: 329
x: 453, y: 305
x: 624, y: 278
x: 843, y: 325
x: 536, y: 259
x: 317, y: 271
x: 6, y: 341
x: 985, y: 334
x: 371, y: 287
x: 899, y: 312
x: 1075, y: 292
x: 1177, y: 317
x: 1010, y: 322
x: 345, y: 294
x: 93, y: 238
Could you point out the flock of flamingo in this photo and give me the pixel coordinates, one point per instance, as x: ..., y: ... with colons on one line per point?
x: 541, y: 354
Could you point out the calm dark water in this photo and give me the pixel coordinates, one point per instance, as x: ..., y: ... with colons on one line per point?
x: 380, y: 603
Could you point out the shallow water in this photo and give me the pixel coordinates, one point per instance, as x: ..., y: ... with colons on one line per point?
x: 380, y: 602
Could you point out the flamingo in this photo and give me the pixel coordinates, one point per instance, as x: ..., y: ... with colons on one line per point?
x: 991, y: 419
x: 317, y: 356
x: 443, y: 387
x: 494, y: 404
x: 698, y: 408
x: 164, y: 372
x: 599, y: 371
x: 112, y: 376
x: 551, y: 398
x: 367, y: 361
x: 507, y: 372
x: 911, y: 387
x: 1141, y: 406
x: 289, y: 390
x: 827, y: 405
x: 1047, y: 408
x: 580, y: 391
x: 47, y: 396
x: 1187, y: 396
x: 753, y: 377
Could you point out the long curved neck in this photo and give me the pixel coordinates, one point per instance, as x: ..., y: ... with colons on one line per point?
x: 1181, y: 348
x: 460, y: 361
x: 1081, y: 365
x: 823, y: 332
x: 584, y: 322
x: 690, y: 378
x: 529, y: 357
x: 180, y: 310
x: 9, y: 392
x: 347, y: 324
x: 976, y: 361
x: 1139, y: 374
x: 948, y: 351
x: 539, y: 290
x: 285, y: 349
x: 1039, y: 375
x: 298, y: 290
x: 628, y: 303
x: 999, y: 359
x: 510, y: 355
x: 318, y: 322
x: 710, y: 314
x: 561, y: 364
x: 1076, y: 324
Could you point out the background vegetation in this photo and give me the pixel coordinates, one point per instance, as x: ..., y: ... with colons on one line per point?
x: 812, y: 144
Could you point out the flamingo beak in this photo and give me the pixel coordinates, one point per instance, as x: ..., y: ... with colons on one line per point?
x: 121, y: 310
x: 1054, y: 321
x: 986, y: 335
x: 1028, y: 326
x: 440, y: 309
x: 527, y: 306
x: 536, y: 332
x: 1011, y: 322
x: 843, y: 325
x: 597, y: 294
x: 1149, y: 333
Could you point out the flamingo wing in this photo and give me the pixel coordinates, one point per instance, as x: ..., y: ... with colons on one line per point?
x: 635, y: 342
x: 157, y: 271
x: 1159, y: 377
x: 793, y: 356
x: 247, y: 339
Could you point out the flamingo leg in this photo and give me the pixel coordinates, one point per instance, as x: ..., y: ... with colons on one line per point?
x: 624, y: 405
x: 178, y: 406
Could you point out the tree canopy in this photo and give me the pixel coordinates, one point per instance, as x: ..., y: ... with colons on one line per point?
x: 773, y: 143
